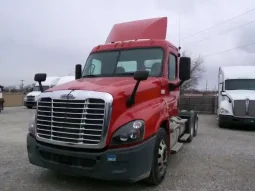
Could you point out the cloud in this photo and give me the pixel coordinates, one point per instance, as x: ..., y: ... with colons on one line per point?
x: 52, y: 36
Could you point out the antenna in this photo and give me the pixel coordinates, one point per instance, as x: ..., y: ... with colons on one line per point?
x: 179, y: 28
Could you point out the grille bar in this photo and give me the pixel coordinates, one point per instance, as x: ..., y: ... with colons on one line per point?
x: 71, y: 121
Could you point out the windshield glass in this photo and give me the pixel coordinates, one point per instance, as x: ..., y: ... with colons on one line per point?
x: 37, y: 88
x: 240, y: 84
x: 124, y: 62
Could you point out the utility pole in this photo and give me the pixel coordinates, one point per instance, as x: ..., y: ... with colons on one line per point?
x: 206, y: 86
x: 22, y: 84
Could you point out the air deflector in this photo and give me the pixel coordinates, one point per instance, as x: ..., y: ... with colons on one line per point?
x: 154, y: 28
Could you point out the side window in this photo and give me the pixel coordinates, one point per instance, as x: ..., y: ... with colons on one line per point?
x: 172, y: 67
x: 128, y: 66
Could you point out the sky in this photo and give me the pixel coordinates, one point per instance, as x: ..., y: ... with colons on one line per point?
x: 52, y: 36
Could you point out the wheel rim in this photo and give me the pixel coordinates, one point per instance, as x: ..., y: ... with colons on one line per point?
x: 162, y: 157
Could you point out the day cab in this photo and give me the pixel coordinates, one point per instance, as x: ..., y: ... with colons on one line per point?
x: 119, y: 119
x: 236, y: 95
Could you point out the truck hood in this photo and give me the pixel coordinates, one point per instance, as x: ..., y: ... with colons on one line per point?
x: 33, y: 93
x: 241, y: 94
x: 114, y: 85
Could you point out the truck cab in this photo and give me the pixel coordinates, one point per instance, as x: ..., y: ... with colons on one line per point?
x: 236, y: 95
x: 119, y: 119
x: 30, y: 99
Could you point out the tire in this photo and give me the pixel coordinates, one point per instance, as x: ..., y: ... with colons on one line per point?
x: 196, y: 126
x: 191, y: 128
x: 160, y: 159
x: 220, y: 124
x: 29, y: 107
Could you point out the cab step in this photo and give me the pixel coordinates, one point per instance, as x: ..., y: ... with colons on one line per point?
x: 176, y: 147
x: 185, y: 137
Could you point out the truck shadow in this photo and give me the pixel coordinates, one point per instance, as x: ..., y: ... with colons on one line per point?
x: 240, y: 128
x: 71, y: 182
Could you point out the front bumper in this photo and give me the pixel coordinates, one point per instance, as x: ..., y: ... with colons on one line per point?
x: 236, y: 120
x: 125, y: 164
x: 29, y: 103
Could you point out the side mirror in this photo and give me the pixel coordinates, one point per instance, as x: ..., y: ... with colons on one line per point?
x: 141, y: 75
x: 185, y: 68
x: 138, y: 76
x: 225, y: 94
x: 40, y: 77
x: 78, y: 70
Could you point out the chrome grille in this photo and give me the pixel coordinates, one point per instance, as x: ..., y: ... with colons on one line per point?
x: 240, y: 108
x: 30, y: 98
x: 71, y: 121
x: 252, y: 108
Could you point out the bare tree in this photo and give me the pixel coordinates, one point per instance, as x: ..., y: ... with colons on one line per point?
x: 197, y: 71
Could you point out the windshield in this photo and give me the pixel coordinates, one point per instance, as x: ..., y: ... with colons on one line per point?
x: 37, y: 88
x: 240, y: 84
x: 124, y: 62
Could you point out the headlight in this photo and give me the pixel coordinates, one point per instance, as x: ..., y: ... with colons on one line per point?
x: 224, y: 111
x: 25, y: 98
x: 31, y: 127
x: 129, y: 133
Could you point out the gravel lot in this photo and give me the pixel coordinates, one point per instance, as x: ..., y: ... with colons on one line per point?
x: 217, y: 159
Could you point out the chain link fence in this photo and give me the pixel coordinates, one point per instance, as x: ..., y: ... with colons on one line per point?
x: 201, y: 104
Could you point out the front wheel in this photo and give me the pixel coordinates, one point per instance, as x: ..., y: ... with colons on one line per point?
x: 29, y: 107
x: 160, y: 159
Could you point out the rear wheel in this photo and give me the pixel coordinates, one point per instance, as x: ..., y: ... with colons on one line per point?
x: 160, y: 159
x: 221, y: 124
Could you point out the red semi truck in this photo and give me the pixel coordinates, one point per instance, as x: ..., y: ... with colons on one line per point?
x: 119, y: 120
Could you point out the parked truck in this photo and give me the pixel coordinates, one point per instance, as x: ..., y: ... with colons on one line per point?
x: 30, y: 99
x: 1, y: 98
x: 236, y: 95
x: 119, y: 119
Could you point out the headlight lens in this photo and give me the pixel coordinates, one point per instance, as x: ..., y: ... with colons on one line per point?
x: 25, y: 98
x: 31, y: 127
x: 129, y: 133
x: 224, y: 111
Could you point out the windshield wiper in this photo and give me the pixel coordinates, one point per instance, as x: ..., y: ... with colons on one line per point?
x: 125, y: 74
x: 90, y: 75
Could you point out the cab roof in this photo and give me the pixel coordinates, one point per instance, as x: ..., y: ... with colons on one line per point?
x: 238, y: 72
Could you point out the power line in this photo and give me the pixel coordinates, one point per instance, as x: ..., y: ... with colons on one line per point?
x: 232, y: 18
x: 240, y: 26
x: 227, y: 50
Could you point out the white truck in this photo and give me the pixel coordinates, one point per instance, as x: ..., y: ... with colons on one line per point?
x: 236, y: 95
x: 31, y: 98
x: 65, y: 79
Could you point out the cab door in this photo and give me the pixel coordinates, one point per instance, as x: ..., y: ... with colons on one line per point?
x: 173, y: 78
